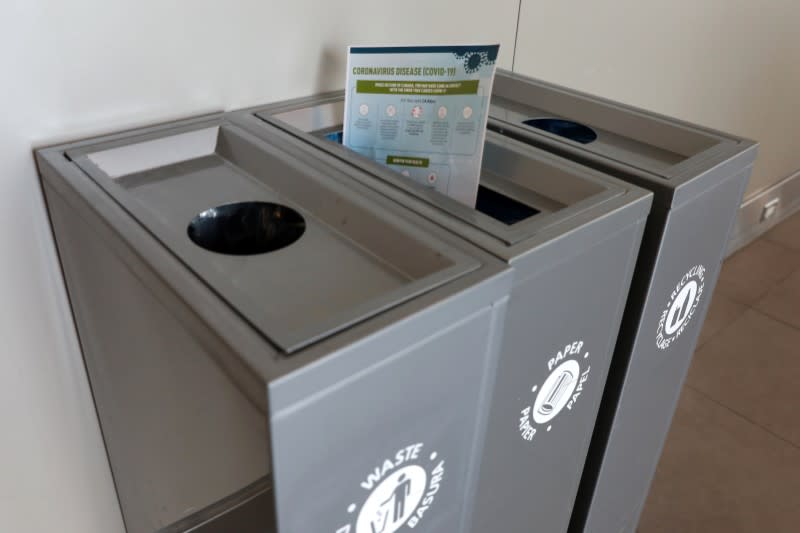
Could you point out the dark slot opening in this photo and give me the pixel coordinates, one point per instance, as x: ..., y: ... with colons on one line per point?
x: 246, y: 228
x: 564, y: 128
x: 501, y: 207
x: 335, y: 136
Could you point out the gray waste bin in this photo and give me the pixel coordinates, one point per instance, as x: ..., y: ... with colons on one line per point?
x: 698, y: 177
x: 257, y: 330
x: 571, y: 235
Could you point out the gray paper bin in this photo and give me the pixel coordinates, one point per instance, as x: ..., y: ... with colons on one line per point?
x: 256, y: 330
x: 698, y: 177
x: 571, y: 235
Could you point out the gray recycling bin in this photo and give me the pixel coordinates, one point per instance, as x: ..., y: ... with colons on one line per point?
x: 257, y: 331
x: 571, y: 235
x: 698, y: 177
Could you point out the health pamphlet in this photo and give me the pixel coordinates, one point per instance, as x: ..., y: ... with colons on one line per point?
x: 422, y: 110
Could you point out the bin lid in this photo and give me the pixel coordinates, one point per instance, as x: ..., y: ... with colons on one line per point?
x: 640, y: 144
x: 538, y: 190
x: 300, y: 254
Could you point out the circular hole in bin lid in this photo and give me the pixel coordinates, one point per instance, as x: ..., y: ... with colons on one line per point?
x: 564, y: 128
x: 246, y: 228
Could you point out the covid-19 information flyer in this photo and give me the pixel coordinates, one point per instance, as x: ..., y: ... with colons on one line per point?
x: 422, y: 110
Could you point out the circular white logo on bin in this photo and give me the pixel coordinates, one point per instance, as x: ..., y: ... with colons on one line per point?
x: 399, y: 492
x: 682, y: 303
x: 568, y: 371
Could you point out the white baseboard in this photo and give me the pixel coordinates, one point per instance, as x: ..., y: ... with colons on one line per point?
x: 749, y: 225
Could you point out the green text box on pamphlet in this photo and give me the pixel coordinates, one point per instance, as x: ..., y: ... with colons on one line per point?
x: 417, y: 87
x: 422, y: 110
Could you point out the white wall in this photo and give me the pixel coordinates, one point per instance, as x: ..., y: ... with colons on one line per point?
x: 84, y: 67
x: 733, y: 65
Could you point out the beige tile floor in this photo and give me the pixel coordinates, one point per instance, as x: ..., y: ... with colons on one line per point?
x: 731, y: 462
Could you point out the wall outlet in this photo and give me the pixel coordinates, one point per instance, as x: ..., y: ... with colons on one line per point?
x: 770, y: 208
